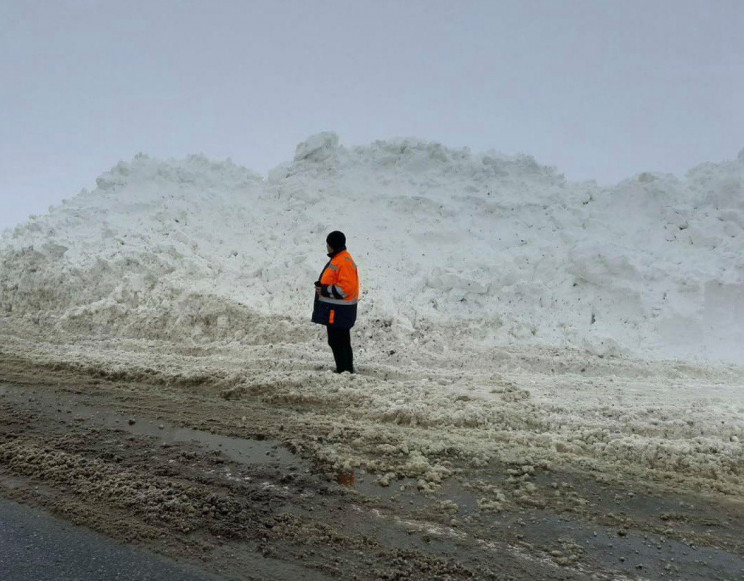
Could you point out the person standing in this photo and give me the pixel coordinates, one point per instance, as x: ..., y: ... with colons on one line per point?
x: 336, y: 297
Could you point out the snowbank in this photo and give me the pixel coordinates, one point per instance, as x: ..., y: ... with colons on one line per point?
x: 194, y: 272
x: 500, y: 248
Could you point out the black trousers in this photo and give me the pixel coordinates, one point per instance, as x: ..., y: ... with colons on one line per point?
x: 340, y: 342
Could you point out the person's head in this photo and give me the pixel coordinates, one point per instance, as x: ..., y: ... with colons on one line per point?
x: 336, y: 241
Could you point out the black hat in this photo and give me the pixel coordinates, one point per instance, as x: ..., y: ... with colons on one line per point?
x: 336, y: 240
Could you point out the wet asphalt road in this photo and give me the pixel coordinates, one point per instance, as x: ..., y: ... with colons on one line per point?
x: 37, y: 547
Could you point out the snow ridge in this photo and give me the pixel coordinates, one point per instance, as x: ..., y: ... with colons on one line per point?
x: 505, y: 250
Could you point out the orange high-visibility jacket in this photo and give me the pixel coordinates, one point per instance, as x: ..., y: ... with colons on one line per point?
x: 339, y: 292
x: 340, y: 280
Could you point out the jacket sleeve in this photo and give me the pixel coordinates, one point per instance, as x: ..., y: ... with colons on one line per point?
x: 347, y: 282
x: 328, y: 281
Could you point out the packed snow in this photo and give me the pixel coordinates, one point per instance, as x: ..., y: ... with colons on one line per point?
x: 506, y: 311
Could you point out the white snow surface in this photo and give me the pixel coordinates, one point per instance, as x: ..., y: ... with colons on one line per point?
x: 499, y: 248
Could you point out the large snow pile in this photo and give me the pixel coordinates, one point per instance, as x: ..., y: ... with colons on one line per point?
x: 500, y: 248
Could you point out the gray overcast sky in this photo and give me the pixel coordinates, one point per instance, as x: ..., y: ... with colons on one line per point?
x: 601, y: 89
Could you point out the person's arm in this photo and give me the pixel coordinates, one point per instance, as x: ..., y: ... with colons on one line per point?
x: 328, y: 282
x: 347, y: 281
